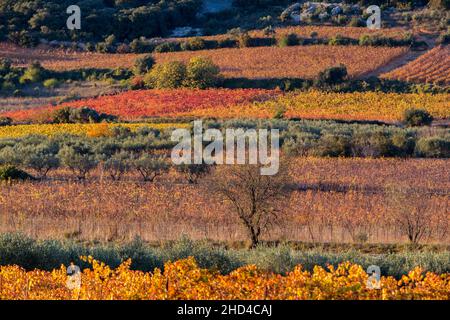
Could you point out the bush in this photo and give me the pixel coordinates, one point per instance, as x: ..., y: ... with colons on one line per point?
x: 150, y: 167
x: 41, y: 158
x: 417, y: 117
x: 80, y: 115
x: 201, y: 73
x: 433, y: 147
x: 168, y: 75
x: 193, y: 44
x: 8, y: 173
x: 5, y: 121
x: 51, y: 83
x: 356, y: 22
x: 5, y: 66
x: 193, y: 172
x: 244, y: 40
x: 139, y: 46
x: 332, y: 76
x: 78, y: 157
x: 333, y: 146
x: 444, y: 38
x: 143, y: 65
x: 339, y: 40
x: 288, y: 40
x: 118, y: 164
x: 34, y: 73
x: 8, y: 86
x: 169, y: 46
x: 227, y: 43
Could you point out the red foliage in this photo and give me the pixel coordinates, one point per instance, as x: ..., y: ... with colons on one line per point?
x: 152, y: 103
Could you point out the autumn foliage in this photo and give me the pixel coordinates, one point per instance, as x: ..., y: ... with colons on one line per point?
x: 147, y: 103
x: 432, y: 67
x: 183, y: 279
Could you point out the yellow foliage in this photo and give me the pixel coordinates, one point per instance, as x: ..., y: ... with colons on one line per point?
x: 183, y: 279
x: 90, y: 129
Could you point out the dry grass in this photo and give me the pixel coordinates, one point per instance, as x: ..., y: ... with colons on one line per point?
x: 338, y: 200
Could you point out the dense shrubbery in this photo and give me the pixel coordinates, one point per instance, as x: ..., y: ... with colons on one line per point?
x: 80, y: 115
x: 106, y: 21
x: 241, y: 39
x: 123, y: 150
x: 417, y: 117
x: 14, y: 78
x: 50, y: 254
x: 198, y: 73
x: 8, y: 173
x: 143, y: 65
x: 332, y: 76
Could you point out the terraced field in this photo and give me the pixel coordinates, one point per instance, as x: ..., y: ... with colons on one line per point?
x: 432, y: 67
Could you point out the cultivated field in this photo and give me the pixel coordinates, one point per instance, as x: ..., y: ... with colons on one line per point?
x: 146, y: 103
x: 291, y: 62
x: 185, y: 280
x: 59, y: 59
x: 387, y: 107
x: 252, y: 103
x: 265, y: 62
x: 432, y: 67
x: 80, y: 129
x: 336, y: 200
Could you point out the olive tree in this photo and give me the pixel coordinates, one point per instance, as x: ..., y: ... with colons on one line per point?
x: 150, y: 167
x: 78, y: 157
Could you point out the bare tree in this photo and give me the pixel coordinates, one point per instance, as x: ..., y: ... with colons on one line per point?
x: 256, y: 198
x: 413, y: 213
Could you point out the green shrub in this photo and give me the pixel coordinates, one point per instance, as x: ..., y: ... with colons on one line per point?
x: 117, y: 164
x: 244, y: 40
x: 433, y: 147
x: 143, y: 65
x: 339, y: 40
x: 5, y: 66
x: 193, y: 44
x: 5, y: 121
x: 8, y: 86
x: 80, y: 115
x: 140, y: 46
x: 403, y: 143
x: 417, y: 117
x: 356, y: 22
x: 150, y: 167
x: 333, y: 146
x: 28, y: 253
x: 193, y: 172
x: 341, y: 19
x: 168, y: 75
x: 169, y: 46
x: 332, y: 76
x: 51, y: 83
x: 227, y: 43
x: 201, y: 73
x: 288, y: 40
x: 444, y: 38
x: 34, y: 73
x: 10, y: 172
x: 79, y: 157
